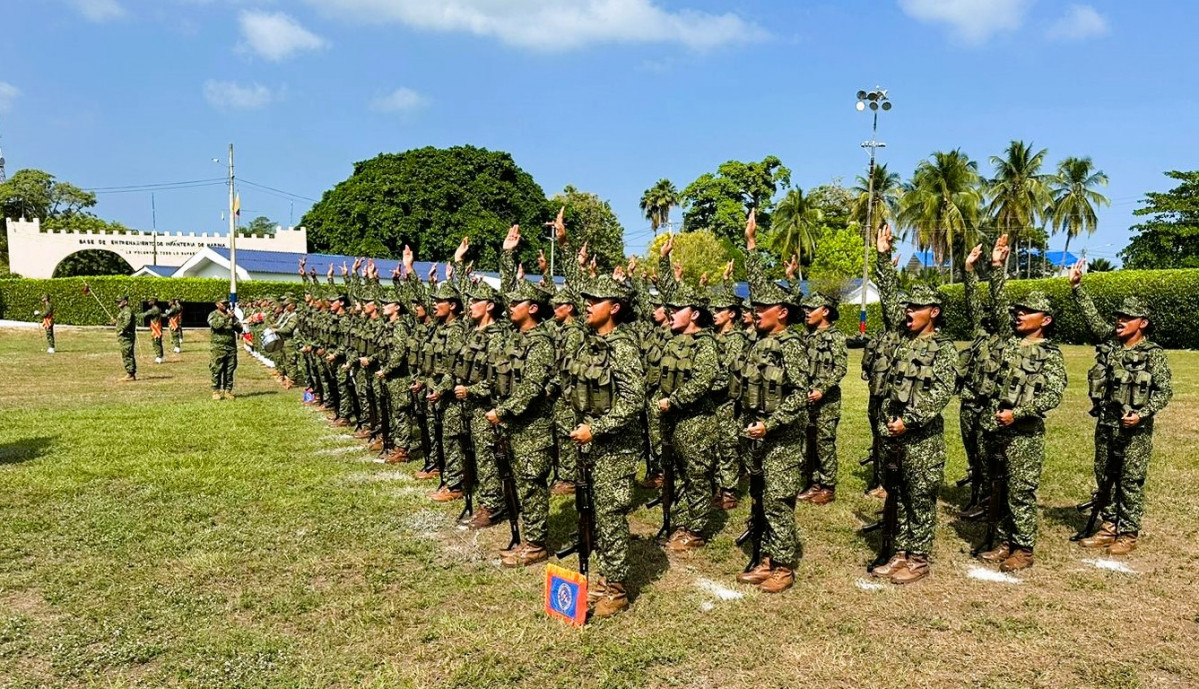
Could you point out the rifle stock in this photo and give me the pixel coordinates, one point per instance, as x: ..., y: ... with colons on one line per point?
x: 890, y: 521
x: 502, y: 451
x: 583, y: 544
x: 1107, y: 494
x: 756, y: 528
x: 469, y: 466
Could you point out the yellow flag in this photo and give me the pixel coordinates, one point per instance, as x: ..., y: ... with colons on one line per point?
x: 237, y: 206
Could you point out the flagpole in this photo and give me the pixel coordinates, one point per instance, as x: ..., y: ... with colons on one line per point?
x: 233, y: 211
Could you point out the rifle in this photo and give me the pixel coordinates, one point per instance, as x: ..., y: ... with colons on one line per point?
x: 756, y: 527
x: 438, y: 456
x: 666, y: 497
x: 585, y: 539
x: 421, y: 411
x: 372, y: 400
x: 996, y: 459
x: 352, y: 387
x: 469, y: 463
x: 1109, y: 490
x: 890, y: 523
x: 384, y: 401
x: 502, y: 451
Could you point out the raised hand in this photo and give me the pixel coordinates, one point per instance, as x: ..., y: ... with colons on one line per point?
x: 883, y: 240
x: 751, y: 230
x: 432, y: 277
x: 513, y: 238
x: 395, y: 272
x: 460, y: 252
x: 677, y: 268
x: 542, y: 264
x: 1000, y: 253
x: 973, y: 257
x: 583, y: 255
x: 668, y: 245
x: 520, y: 271
x: 408, y: 258
x: 560, y: 226
x: 790, y: 268
x: 592, y: 268
x: 330, y: 273
x: 1075, y: 275
x: 703, y: 280
x: 728, y: 271
x: 470, y: 267
x: 344, y: 270
x: 618, y: 274
x: 449, y: 271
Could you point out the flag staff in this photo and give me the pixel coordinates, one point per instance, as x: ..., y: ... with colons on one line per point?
x: 234, y: 212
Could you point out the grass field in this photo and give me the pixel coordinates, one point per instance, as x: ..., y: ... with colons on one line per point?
x: 150, y: 536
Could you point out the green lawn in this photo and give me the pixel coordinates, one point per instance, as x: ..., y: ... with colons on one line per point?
x: 150, y: 536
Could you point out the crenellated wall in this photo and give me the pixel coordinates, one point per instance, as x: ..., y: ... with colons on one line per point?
x: 34, y: 252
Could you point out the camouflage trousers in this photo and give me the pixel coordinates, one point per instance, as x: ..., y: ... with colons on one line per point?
x: 345, y: 401
x: 50, y: 336
x: 366, y: 396
x: 1022, y: 453
x: 532, y: 470
x: 157, y: 342
x: 568, y: 451
x: 126, y: 344
x: 287, y: 362
x: 653, y: 420
x: 399, y: 405
x: 454, y: 472
x: 729, y: 447
x: 970, y: 423
x: 782, y: 474
x: 222, y: 363
x: 821, y: 442
x: 488, y: 491
x: 1128, y: 501
x: 612, y: 495
x: 177, y: 338
x: 694, y: 442
x: 873, y: 409
x: 921, y: 470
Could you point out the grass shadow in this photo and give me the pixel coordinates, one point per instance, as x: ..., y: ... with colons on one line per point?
x: 1068, y: 516
x: 256, y: 393
x: 647, y: 564
x: 24, y: 450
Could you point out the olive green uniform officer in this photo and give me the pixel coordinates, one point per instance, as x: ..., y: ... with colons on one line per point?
x: 126, y: 327
x: 828, y: 357
x: 224, y: 328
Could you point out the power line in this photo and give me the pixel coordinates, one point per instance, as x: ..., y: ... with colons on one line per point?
x: 154, y: 186
x: 287, y: 194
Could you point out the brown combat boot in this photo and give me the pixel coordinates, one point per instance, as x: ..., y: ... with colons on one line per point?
x: 397, y: 456
x: 914, y: 569
x: 563, y: 488
x: 340, y: 423
x: 596, y: 589
x: 877, y: 492
x: 362, y: 433
x: 527, y: 554
x: 484, y: 518
x: 758, y: 574
x: 897, y: 561
x: 1125, y: 544
x: 445, y: 494
x: 684, y: 540
x: 823, y: 496
x: 1104, y: 537
x: 424, y: 474
x: 997, y: 554
x: 129, y: 377
x: 726, y: 500
x: 781, y: 579
x: 613, y: 600
x: 652, y: 481
x: 375, y: 445
x: 229, y: 395
x: 1021, y: 558
x: 808, y: 493
x: 216, y: 395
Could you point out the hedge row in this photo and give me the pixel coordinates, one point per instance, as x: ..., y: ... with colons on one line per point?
x: 19, y: 298
x: 1173, y: 295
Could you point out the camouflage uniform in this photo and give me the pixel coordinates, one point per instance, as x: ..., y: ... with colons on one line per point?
x: 1030, y: 379
x: 445, y: 341
x: 153, y: 318
x: 567, y: 338
x: 606, y: 386
x: 1135, y: 379
x: 48, y: 322
x: 876, y: 364
x: 828, y: 356
x: 126, y: 327
x: 772, y: 385
x: 286, y: 361
x: 733, y: 346
x: 976, y: 368
x: 920, y: 384
x: 483, y: 350
x: 174, y: 314
x: 527, y: 413
x: 223, y: 359
x: 691, y: 376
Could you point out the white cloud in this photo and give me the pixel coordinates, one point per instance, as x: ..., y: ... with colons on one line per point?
x: 1079, y: 22
x: 230, y: 95
x: 970, y: 21
x: 401, y: 100
x: 8, y: 95
x: 99, y: 10
x: 554, y: 25
x: 275, y: 35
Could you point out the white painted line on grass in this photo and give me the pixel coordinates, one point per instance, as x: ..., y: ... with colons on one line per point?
x: 717, y: 589
x: 984, y: 574
x: 1111, y: 565
x: 867, y: 585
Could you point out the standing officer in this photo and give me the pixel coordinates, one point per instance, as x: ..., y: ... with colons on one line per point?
x: 827, y: 356
x: 174, y: 316
x: 126, y: 326
x: 225, y: 328
x: 153, y: 317
x: 48, y: 322
x: 734, y: 343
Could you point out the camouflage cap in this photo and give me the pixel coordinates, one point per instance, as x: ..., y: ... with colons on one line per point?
x: 481, y: 291
x: 605, y: 287
x: 1131, y: 306
x: 565, y: 295
x: 723, y: 297
x: 686, y: 295
x: 527, y: 291
x: 770, y: 294
x: 446, y: 291
x: 922, y: 295
x: 1035, y: 300
x: 816, y: 300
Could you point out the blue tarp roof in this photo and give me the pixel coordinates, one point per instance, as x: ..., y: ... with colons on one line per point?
x: 925, y: 258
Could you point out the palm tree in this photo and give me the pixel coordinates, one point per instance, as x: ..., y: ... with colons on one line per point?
x: 1100, y: 265
x: 1075, y: 199
x: 888, y: 189
x: 793, y: 227
x: 656, y: 203
x: 943, y: 204
x: 1019, y: 192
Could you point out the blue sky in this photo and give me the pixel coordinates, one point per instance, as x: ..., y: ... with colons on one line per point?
x: 607, y: 95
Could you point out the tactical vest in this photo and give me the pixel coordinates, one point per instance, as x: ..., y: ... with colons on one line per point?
x: 676, y: 366
x: 822, y: 355
x: 1097, y: 382
x: 470, y: 365
x: 1020, y: 384
x: 589, y: 378
x: 1129, y: 380
x: 762, y: 382
x: 653, y: 346
x: 975, y: 366
x: 911, y: 377
x: 510, y: 370
x: 876, y: 361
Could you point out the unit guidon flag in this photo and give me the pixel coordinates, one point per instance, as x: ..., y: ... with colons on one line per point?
x: 566, y: 595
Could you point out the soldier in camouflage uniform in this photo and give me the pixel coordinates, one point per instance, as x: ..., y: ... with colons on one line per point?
x: 153, y: 317
x: 126, y: 326
x: 920, y: 384
x: 975, y: 369
x: 828, y: 357
x: 47, y: 314
x: 285, y: 327
x: 1131, y: 387
x: 337, y: 324
x: 447, y: 337
x: 569, y: 333
x: 1029, y: 381
x: 174, y: 315
x: 606, y: 386
x: 692, y: 376
x: 394, y: 374
x: 734, y: 343
x: 772, y: 384
x: 225, y: 329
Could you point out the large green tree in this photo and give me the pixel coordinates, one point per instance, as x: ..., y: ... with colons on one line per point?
x: 698, y: 252
x: 1020, y: 200
x: 797, y: 219
x: 428, y: 198
x: 1075, y: 199
x: 1169, y: 237
x: 719, y: 202
x: 590, y: 219
x: 887, y: 190
x: 36, y: 194
x: 260, y: 225
x: 943, y: 203
x: 656, y: 203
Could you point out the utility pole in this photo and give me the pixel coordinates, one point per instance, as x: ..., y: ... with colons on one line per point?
x: 233, y: 211
x: 876, y: 98
x: 154, y: 227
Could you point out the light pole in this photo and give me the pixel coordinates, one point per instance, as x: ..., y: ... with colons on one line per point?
x: 233, y: 212
x: 875, y: 100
